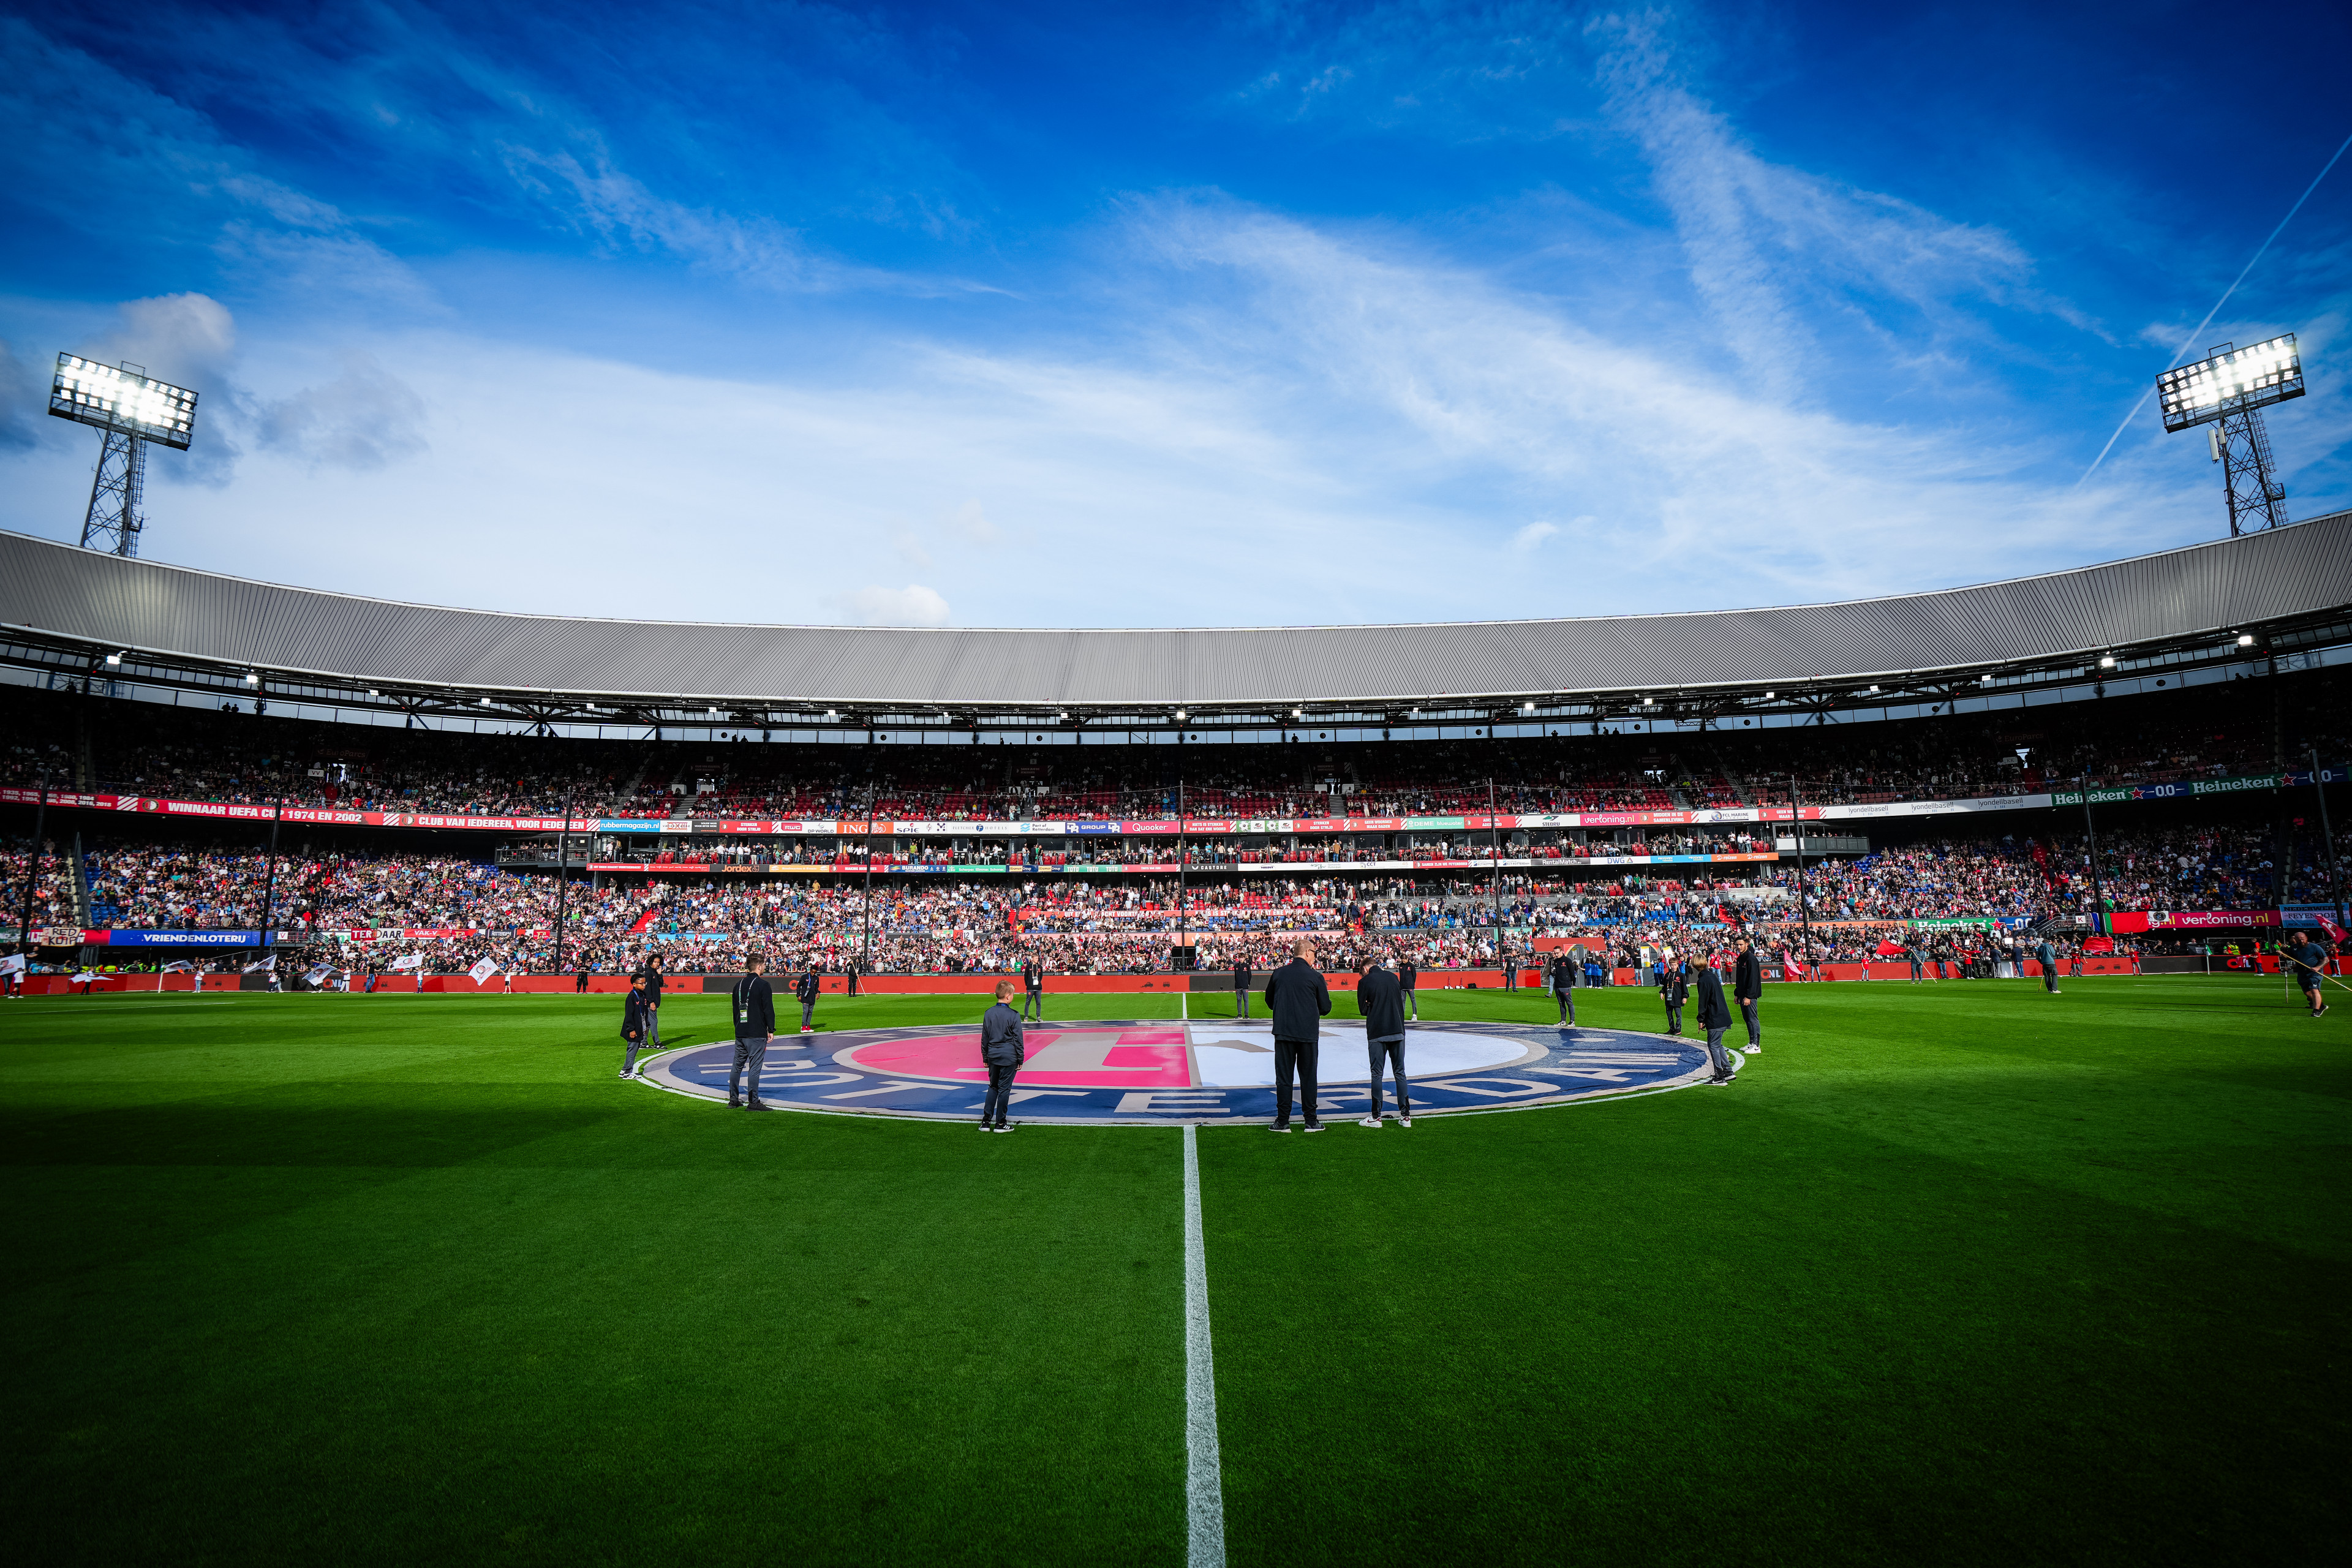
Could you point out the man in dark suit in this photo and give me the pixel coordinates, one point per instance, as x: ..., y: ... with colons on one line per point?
x: 807, y: 990
x: 1408, y: 976
x: 1033, y: 985
x: 755, y: 1011
x: 1563, y: 984
x: 1296, y: 1000
x: 1380, y: 1000
x: 1714, y: 1017
x: 1748, y: 990
x: 1001, y: 1050
x: 1241, y: 988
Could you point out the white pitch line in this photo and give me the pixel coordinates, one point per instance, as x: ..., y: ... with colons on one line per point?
x: 1204, y: 1492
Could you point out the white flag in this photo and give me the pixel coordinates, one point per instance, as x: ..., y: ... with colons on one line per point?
x: 13, y: 965
x: 483, y: 970
x: 267, y: 966
x: 178, y: 966
x: 409, y: 961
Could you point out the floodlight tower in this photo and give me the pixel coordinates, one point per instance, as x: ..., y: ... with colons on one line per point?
x: 128, y: 408
x: 2225, y: 392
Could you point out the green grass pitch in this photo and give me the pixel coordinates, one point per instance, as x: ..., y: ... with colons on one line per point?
x: 1955, y: 1274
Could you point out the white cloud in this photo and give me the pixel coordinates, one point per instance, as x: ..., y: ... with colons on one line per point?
x: 909, y: 546
x: 187, y: 339
x: 912, y: 605
x: 972, y: 524
x: 23, y: 396
x: 1773, y: 249
x: 1533, y: 534
x: 363, y: 419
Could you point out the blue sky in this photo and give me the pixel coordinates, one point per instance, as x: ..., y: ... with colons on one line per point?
x: 1085, y: 315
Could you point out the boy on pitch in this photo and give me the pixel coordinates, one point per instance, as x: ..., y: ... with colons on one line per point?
x: 1002, y: 1049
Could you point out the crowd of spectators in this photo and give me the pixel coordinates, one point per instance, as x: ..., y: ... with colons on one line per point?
x: 368, y: 909
x: 148, y: 748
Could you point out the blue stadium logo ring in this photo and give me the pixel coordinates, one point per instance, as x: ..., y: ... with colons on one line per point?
x: 1164, y: 1072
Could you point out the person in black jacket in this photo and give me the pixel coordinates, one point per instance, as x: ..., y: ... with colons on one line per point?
x: 636, y: 1019
x: 650, y: 972
x: 1380, y: 1000
x: 1241, y: 988
x: 579, y: 985
x: 1033, y: 983
x: 1563, y: 984
x: 754, y: 1004
x: 1674, y: 989
x: 807, y: 990
x: 1002, y: 1049
x: 1748, y: 990
x: 1714, y: 1017
x: 1408, y: 976
x: 1296, y: 999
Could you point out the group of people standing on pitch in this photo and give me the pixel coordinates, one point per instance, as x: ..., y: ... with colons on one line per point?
x: 1680, y: 979
x: 753, y: 1011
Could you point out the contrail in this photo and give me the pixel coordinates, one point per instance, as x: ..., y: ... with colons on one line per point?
x: 2216, y: 311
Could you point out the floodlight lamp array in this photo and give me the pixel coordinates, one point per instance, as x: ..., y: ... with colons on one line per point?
x: 2230, y: 383
x: 116, y: 399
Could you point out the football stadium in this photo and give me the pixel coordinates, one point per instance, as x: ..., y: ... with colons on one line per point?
x: 333, y: 1164
x: 1244, y: 785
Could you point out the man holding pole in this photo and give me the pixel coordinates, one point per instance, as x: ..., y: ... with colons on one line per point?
x: 2308, y: 961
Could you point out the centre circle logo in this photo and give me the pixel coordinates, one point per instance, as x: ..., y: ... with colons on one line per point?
x: 1150, y: 1073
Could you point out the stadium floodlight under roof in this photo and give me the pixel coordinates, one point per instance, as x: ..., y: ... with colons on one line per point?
x: 2230, y: 382
x: 2226, y: 392
x: 129, y: 408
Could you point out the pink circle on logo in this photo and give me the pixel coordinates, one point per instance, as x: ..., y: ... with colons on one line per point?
x: 1106, y: 1057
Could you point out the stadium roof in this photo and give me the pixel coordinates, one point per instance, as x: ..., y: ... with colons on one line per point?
x: 57, y: 596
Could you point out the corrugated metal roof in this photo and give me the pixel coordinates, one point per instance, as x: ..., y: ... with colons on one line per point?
x: 58, y: 590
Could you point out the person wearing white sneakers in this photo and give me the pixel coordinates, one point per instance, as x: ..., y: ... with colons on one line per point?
x: 807, y: 990
x: 1714, y: 1017
x: 1748, y: 990
x: 1380, y: 997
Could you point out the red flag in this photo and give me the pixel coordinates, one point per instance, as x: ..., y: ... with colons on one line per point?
x: 2098, y: 945
x: 1789, y: 968
x: 2336, y: 934
x: 1890, y: 947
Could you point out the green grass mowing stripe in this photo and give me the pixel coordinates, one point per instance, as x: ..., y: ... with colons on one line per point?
x: 529, y: 1313
x: 1961, y: 1271
x: 1839, y: 1312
